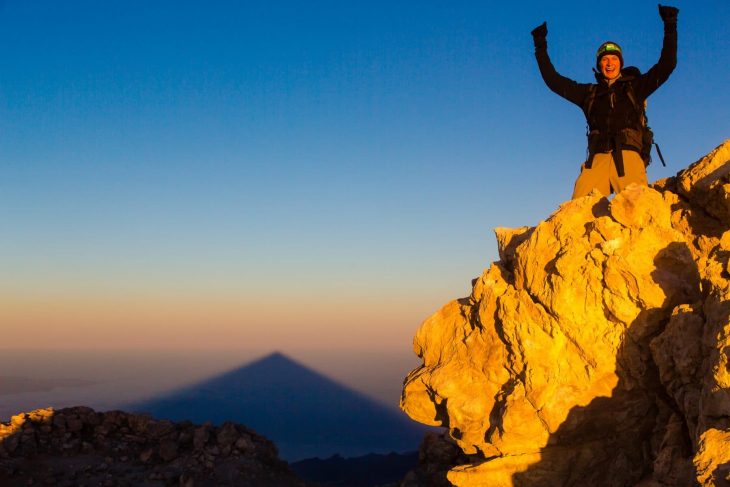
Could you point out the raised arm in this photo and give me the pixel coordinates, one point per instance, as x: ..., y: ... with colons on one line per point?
x: 565, y: 87
x: 660, y: 72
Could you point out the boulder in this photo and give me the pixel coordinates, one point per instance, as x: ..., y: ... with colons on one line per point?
x: 78, y: 446
x: 595, y: 352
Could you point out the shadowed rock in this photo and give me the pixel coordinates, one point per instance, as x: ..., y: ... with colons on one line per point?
x: 79, y: 446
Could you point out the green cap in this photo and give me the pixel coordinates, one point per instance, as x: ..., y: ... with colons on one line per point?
x: 609, y: 48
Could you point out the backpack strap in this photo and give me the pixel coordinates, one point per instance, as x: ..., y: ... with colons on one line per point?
x: 587, y: 107
x: 640, y: 108
x: 630, y: 93
x: 588, y: 102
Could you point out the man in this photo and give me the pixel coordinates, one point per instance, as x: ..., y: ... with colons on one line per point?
x: 614, y: 108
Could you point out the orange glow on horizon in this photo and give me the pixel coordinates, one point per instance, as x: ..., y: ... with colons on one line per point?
x: 72, y: 321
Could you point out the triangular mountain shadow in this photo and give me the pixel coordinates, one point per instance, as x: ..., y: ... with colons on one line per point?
x: 303, y: 412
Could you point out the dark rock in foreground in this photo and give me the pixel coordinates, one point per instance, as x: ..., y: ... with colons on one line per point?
x: 78, y: 446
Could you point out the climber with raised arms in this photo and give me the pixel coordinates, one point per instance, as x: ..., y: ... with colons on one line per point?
x: 618, y: 139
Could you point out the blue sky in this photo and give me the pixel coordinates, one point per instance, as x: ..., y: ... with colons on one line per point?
x: 347, y: 161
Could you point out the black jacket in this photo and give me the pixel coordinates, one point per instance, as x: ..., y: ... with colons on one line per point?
x: 613, y: 121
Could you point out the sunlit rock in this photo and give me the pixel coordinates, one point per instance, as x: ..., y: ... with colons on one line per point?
x: 597, y: 350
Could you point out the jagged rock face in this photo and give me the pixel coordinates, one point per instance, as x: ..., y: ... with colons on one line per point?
x: 78, y: 446
x: 597, y: 350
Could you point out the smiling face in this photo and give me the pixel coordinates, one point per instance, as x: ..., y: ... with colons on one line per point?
x: 610, y: 65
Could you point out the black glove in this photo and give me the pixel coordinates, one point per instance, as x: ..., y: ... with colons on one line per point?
x: 539, y: 35
x: 668, y: 14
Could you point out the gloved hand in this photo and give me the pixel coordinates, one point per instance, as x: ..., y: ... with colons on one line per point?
x: 539, y: 35
x: 668, y: 14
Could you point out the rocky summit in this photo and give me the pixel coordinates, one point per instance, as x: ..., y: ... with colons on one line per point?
x: 81, y: 447
x: 596, y: 351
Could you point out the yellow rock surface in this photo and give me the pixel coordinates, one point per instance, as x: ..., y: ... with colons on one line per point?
x: 597, y: 350
x: 713, y: 458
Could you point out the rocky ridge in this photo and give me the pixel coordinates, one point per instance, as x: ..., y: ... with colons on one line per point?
x: 596, y: 351
x: 79, y: 446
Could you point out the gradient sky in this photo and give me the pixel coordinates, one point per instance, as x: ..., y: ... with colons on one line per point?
x: 296, y: 175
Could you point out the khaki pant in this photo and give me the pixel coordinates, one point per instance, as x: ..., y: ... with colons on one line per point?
x: 603, y: 176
